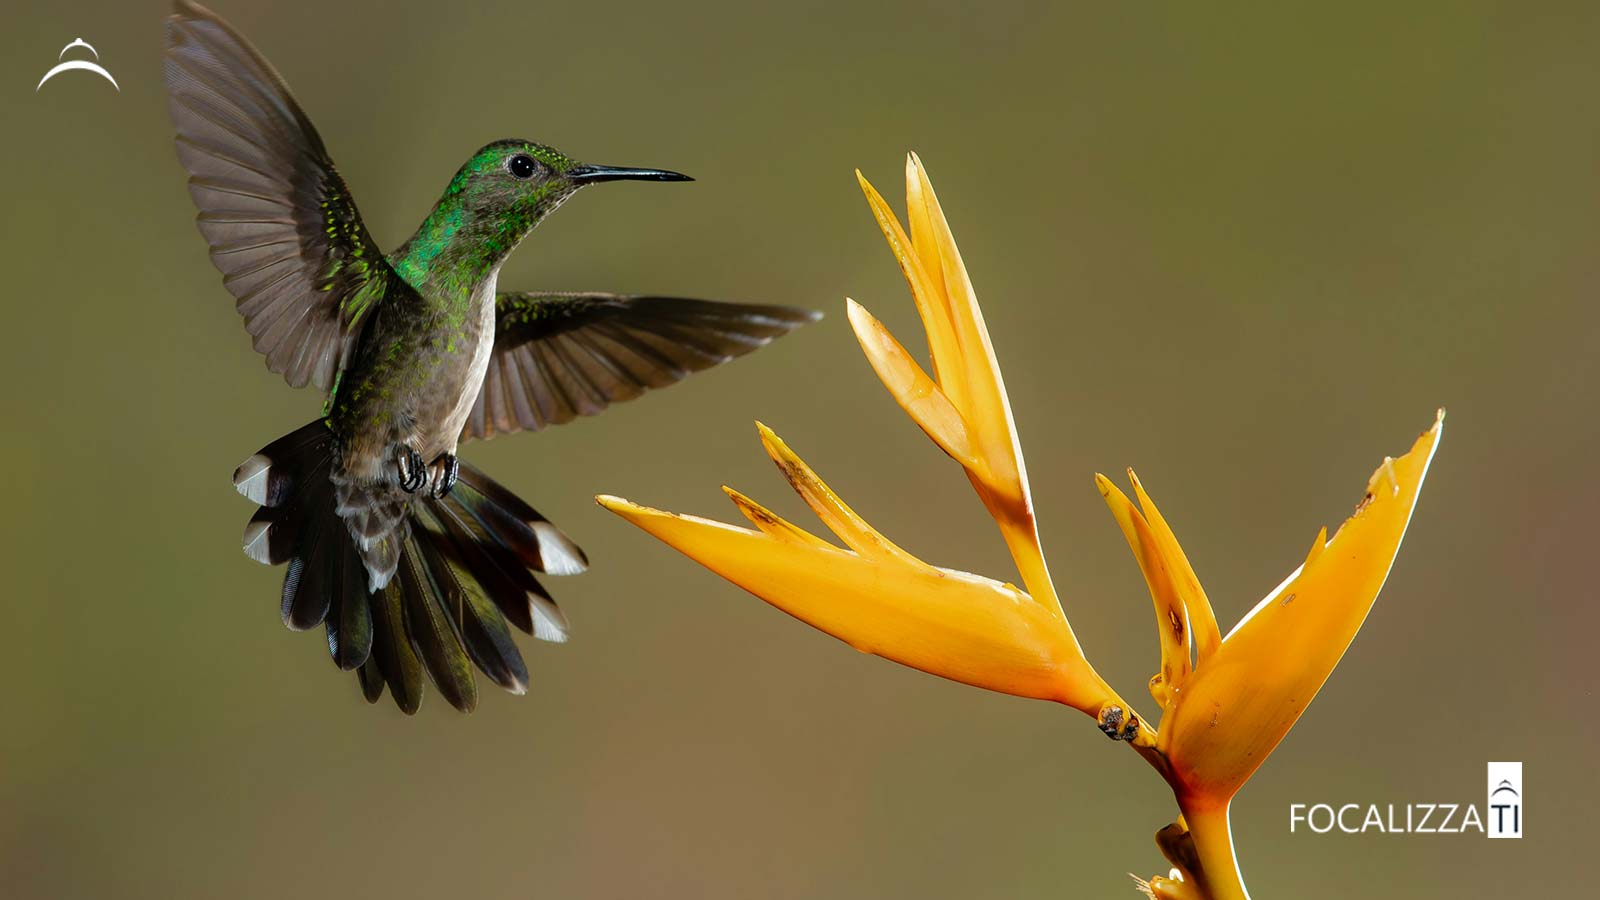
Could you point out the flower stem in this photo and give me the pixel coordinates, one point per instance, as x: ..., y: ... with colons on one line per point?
x: 1021, y: 533
x: 1219, y: 874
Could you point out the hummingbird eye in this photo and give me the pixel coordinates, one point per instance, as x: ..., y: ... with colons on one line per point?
x: 521, y: 166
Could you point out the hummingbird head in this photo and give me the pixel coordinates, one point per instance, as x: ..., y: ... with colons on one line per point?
x: 494, y: 200
x: 520, y: 182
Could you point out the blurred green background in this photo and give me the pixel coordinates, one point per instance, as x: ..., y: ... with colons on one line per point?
x: 1248, y: 251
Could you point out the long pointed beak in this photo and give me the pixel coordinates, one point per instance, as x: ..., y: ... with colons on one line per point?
x: 595, y: 174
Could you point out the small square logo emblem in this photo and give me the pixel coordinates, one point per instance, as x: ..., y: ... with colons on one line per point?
x: 1503, y: 818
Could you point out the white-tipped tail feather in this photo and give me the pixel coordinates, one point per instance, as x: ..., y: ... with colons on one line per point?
x: 557, y: 551
x: 250, y: 479
x: 406, y: 584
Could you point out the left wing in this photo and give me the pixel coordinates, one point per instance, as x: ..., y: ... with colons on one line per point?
x: 283, y: 230
x: 560, y: 356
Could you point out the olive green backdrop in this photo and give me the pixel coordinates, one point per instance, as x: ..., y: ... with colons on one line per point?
x: 1246, y: 250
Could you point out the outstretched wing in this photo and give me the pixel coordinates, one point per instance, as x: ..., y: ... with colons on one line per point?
x: 282, y: 227
x: 559, y: 356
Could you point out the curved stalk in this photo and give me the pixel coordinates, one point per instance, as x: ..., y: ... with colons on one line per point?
x: 1219, y: 877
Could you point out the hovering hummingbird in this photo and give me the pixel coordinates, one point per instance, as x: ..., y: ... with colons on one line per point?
x: 413, y: 560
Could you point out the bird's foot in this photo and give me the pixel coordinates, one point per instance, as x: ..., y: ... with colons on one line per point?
x: 413, y: 470
x: 446, y: 472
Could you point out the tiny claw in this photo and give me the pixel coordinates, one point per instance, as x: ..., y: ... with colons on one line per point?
x: 446, y: 472
x: 413, y: 470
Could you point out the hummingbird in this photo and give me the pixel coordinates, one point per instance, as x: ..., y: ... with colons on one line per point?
x: 413, y: 561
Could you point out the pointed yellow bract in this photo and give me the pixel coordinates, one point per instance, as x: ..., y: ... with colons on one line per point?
x: 770, y: 522
x: 1172, y: 614
x: 952, y: 624
x: 1207, y: 637
x: 965, y: 410
x: 829, y: 507
x: 917, y: 394
x: 1240, y: 703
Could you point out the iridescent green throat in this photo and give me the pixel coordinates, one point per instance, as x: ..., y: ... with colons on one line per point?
x: 465, y: 238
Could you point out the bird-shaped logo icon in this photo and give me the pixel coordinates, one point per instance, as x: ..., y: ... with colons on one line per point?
x: 64, y: 65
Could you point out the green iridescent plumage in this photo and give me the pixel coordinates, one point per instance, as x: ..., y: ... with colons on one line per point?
x: 412, y: 560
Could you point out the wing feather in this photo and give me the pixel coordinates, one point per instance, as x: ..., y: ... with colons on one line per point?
x: 561, y: 356
x: 283, y: 229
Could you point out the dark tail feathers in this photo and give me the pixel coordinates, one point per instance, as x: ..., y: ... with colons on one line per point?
x: 464, y: 568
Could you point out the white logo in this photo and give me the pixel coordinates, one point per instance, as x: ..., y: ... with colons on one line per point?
x: 1389, y: 818
x: 1505, y: 800
x: 84, y: 64
x: 1500, y: 817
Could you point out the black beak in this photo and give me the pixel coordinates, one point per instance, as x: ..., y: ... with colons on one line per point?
x: 596, y: 174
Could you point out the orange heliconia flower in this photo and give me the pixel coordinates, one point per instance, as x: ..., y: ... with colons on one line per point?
x: 1227, y: 701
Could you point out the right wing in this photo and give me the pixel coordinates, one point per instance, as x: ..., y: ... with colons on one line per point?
x: 282, y: 227
x: 559, y: 356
